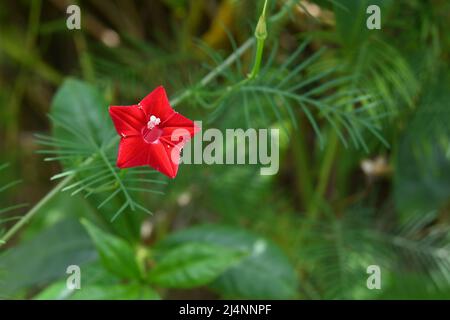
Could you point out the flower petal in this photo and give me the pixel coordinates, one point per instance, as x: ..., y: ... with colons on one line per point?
x: 177, y: 126
x: 157, y: 104
x: 128, y: 120
x: 133, y: 152
x: 162, y: 159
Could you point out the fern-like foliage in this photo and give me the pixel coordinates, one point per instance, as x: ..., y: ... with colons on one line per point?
x: 422, y: 178
x: 424, y: 243
x: 339, y: 249
x: 5, y: 211
x: 85, y: 143
x: 380, y: 67
x: 375, y: 63
x: 301, y: 84
x: 136, y: 66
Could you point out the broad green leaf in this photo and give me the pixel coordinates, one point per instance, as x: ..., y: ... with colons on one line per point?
x: 91, y: 275
x: 133, y: 291
x: 116, y: 254
x: 45, y: 257
x: 81, y: 115
x: 193, y: 264
x: 97, y: 284
x: 130, y: 291
x: 55, y: 291
x: 264, y: 273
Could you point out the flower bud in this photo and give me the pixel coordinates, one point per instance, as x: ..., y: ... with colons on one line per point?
x: 261, y: 28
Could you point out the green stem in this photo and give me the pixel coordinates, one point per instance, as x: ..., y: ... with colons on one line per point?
x: 284, y: 12
x: 214, y: 73
x: 46, y: 199
x: 203, y: 82
x: 35, y: 209
x: 258, y: 58
x: 260, y: 35
x: 302, y: 174
x: 86, y: 65
x: 275, y: 19
x: 324, y: 174
x: 30, y: 214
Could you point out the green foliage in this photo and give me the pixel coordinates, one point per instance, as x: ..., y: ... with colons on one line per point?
x: 5, y: 210
x: 351, y: 19
x: 428, y: 250
x: 376, y: 65
x: 412, y: 287
x: 85, y: 142
x: 97, y: 284
x: 116, y: 292
x: 281, y: 91
x: 116, y: 254
x: 422, y: 177
x: 79, y: 113
x: 345, y: 97
x: 58, y: 291
x: 340, y: 249
x: 192, y: 264
x: 264, y: 273
x: 59, y: 246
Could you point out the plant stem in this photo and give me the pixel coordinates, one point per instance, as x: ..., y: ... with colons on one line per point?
x: 35, y: 209
x: 27, y: 217
x: 203, y: 82
x: 260, y: 35
x: 44, y: 200
x: 302, y: 172
x: 277, y: 18
x: 214, y: 73
x: 258, y: 58
x: 324, y: 173
x: 87, y: 68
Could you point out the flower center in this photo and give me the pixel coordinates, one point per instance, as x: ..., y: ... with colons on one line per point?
x: 154, y: 121
x: 151, y: 132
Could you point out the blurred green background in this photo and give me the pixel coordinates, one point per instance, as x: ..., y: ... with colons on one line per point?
x: 364, y: 151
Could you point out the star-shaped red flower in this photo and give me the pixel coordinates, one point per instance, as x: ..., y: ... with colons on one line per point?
x: 152, y: 133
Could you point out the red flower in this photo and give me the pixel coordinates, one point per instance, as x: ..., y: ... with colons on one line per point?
x: 149, y: 134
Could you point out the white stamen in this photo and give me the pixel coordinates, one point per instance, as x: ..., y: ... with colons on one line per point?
x: 154, y: 121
